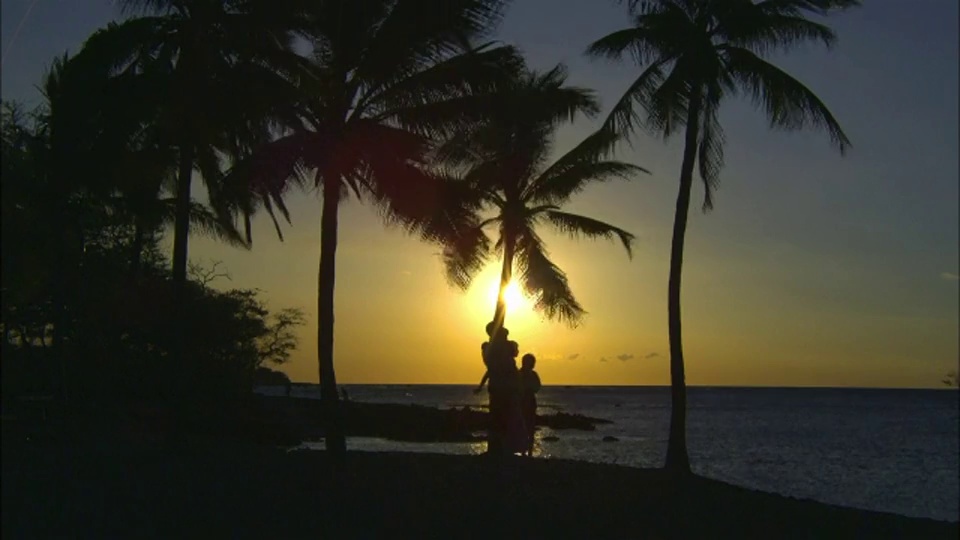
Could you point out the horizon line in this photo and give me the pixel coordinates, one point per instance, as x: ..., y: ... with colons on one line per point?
x: 772, y: 387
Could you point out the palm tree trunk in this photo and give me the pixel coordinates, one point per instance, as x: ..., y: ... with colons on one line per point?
x: 500, y: 313
x: 334, y: 437
x: 181, y: 227
x: 678, y: 460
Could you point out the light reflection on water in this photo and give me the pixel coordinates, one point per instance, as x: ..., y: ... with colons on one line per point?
x: 377, y: 444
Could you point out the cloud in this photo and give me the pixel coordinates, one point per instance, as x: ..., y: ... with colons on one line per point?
x: 651, y: 355
x: 603, y: 358
x: 405, y: 273
x: 950, y: 276
x: 573, y: 356
x: 624, y: 357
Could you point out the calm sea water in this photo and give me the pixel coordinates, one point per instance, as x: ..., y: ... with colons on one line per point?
x: 886, y: 450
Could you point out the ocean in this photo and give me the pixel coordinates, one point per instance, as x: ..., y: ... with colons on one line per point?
x: 877, y: 449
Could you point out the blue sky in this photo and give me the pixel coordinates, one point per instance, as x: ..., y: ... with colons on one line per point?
x: 812, y: 269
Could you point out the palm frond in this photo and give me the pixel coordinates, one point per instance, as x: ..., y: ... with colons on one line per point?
x: 570, y: 173
x: 583, y: 227
x: 796, y: 7
x: 543, y: 280
x: 473, y: 71
x: 265, y: 177
x: 548, y: 94
x: 206, y: 222
x: 624, y: 117
x: 465, y: 256
x: 788, y: 103
x: 574, y: 179
x: 119, y: 44
x: 638, y: 42
x: 414, y: 34
x: 462, y: 148
x: 393, y: 174
x: 667, y: 106
x: 765, y: 27
x: 710, y: 148
x: 534, y: 97
x: 283, y: 160
x: 147, y: 6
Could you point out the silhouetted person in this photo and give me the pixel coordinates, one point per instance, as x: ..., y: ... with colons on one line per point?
x: 504, y: 388
x: 529, y: 386
x: 344, y: 395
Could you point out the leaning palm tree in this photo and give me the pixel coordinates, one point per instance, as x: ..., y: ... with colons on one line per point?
x: 384, y: 77
x: 506, y: 166
x: 695, y: 53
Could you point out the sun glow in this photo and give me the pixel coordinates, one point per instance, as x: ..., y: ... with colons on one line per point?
x: 481, y: 301
x: 512, y: 295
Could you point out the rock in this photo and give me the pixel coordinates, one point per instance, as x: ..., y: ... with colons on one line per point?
x: 610, y: 438
x: 303, y: 418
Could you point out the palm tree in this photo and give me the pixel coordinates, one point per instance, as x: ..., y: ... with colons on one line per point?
x: 205, y: 76
x: 694, y: 54
x: 505, y: 166
x: 384, y: 77
x: 115, y: 155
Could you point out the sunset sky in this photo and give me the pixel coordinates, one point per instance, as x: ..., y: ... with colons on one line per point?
x: 812, y: 270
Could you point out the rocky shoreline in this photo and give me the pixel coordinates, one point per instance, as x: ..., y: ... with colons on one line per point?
x: 303, y: 418
x: 273, y: 420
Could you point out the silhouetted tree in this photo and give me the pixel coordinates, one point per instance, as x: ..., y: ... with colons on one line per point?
x: 206, y: 81
x: 119, y: 331
x: 383, y: 76
x: 951, y: 379
x: 694, y: 54
x: 505, y: 164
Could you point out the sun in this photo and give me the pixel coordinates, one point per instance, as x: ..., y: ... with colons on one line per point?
x: 513, y: 296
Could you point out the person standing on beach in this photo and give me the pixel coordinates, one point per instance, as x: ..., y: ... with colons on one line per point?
x: 501, y: 370
x: 529, y: 386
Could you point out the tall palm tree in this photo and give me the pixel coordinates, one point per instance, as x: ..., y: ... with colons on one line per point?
x: 206, y: 80
x: 505, y: 164
x: 694, y: 54
x: 384, y: 77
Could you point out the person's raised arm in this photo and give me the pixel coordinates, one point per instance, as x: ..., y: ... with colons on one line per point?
x: 486, y: 371
x: 483, y: 381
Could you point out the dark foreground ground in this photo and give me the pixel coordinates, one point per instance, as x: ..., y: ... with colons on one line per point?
x: 148, y: 489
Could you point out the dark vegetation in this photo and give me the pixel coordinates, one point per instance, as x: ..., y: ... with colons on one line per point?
x: 90, y: 314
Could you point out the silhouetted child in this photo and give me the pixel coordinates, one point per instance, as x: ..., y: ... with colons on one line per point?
x: 529, y: 386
